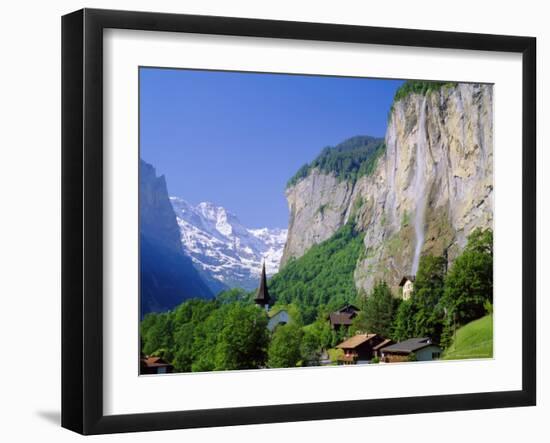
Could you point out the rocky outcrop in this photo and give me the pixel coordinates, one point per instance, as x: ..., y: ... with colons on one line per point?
x: 157, y: 220
x: 430, y: 189
x: 167, y: 275
x: 317, y: 206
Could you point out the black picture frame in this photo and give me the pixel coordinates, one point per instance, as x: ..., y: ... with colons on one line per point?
x: 82, y: 215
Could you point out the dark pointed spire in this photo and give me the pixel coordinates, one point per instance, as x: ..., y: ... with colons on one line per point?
x: 262, y: 296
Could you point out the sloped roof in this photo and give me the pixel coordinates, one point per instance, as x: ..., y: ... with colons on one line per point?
x: 405, y: 278
x: 262, y: 295
x: 410, y: 345
x: 382, y: 344
x: 341, y: 318
x: 355, y: 341
x: 155, y: 362
x: 348, y: 307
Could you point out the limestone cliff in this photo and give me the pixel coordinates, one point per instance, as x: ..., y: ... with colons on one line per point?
x: 431, y: 187
x: 317, y: 206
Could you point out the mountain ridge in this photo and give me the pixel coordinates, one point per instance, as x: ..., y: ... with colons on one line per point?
x: 167, y: 275
x: 223, y: 248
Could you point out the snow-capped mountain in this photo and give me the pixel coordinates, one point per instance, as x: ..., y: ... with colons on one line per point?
x: 223, y: 248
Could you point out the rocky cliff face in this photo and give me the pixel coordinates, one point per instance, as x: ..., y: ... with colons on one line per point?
x: 167, y: 275
x: 157, y: 220
x: 318, y: 205
x: 430, y: 189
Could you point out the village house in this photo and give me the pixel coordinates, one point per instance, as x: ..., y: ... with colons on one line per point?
x: 263, y: 300
x: 343, y: 317
x: 407, y: 285
x: 154, y: 365
x: 422, y: 348
x: 378, y: 348
x: 280, y: 318
x: 359, y: 349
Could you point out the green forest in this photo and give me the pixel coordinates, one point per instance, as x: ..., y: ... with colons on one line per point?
x: 230, y: 332
x: 349, y: 160
x: 322, y: 279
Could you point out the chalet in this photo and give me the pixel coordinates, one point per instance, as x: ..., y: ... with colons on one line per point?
x: 280, y: 318
x: 378, y: 348
x: 359, y: 349
x: 343, y: 317
x: 154, y: 365
x: 423, y: 349
x: 262, y: 295
x: 407, y: 283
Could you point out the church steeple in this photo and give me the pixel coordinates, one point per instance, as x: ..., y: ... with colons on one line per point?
x: 262, y: 296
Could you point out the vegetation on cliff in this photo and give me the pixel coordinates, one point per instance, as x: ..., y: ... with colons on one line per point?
x: 419, y: 87
x: 322, y: 279
x: 349, y: 160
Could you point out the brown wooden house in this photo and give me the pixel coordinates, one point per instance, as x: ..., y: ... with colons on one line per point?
x: 154, y: 365
x: 419, y: 349
x: 378, y: 348
x: 343, y: 317
x: 359, y: 348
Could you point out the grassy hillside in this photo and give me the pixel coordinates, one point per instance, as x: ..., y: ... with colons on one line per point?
x: 474, y: 340
x: 322, y: 277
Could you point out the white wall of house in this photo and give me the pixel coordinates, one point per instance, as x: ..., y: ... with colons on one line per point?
x: 281, y: 318
x: 407, y: 289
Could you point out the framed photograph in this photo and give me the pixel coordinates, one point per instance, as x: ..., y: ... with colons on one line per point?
x: 268, y: 221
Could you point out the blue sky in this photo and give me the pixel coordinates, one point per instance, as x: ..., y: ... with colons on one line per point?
x: 236, y: 138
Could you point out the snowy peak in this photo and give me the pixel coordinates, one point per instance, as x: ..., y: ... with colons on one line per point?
x: 223, y: 248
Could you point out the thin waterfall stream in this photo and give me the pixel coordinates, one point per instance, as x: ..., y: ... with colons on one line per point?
x: 419, y: 186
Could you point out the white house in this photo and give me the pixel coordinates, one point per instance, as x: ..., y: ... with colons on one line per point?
x: 280, y: 318
x: 407, y: 283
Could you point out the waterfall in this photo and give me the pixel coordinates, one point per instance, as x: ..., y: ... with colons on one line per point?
x: 392, y: 154
x: 419, y: 186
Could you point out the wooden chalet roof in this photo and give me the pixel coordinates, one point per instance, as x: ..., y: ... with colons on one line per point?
x: 355, y: 341
x: 380, y: 345
x: 154, y: 362
x: 341, y: 318
x: 348, y: 308
x: 410, y: 345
